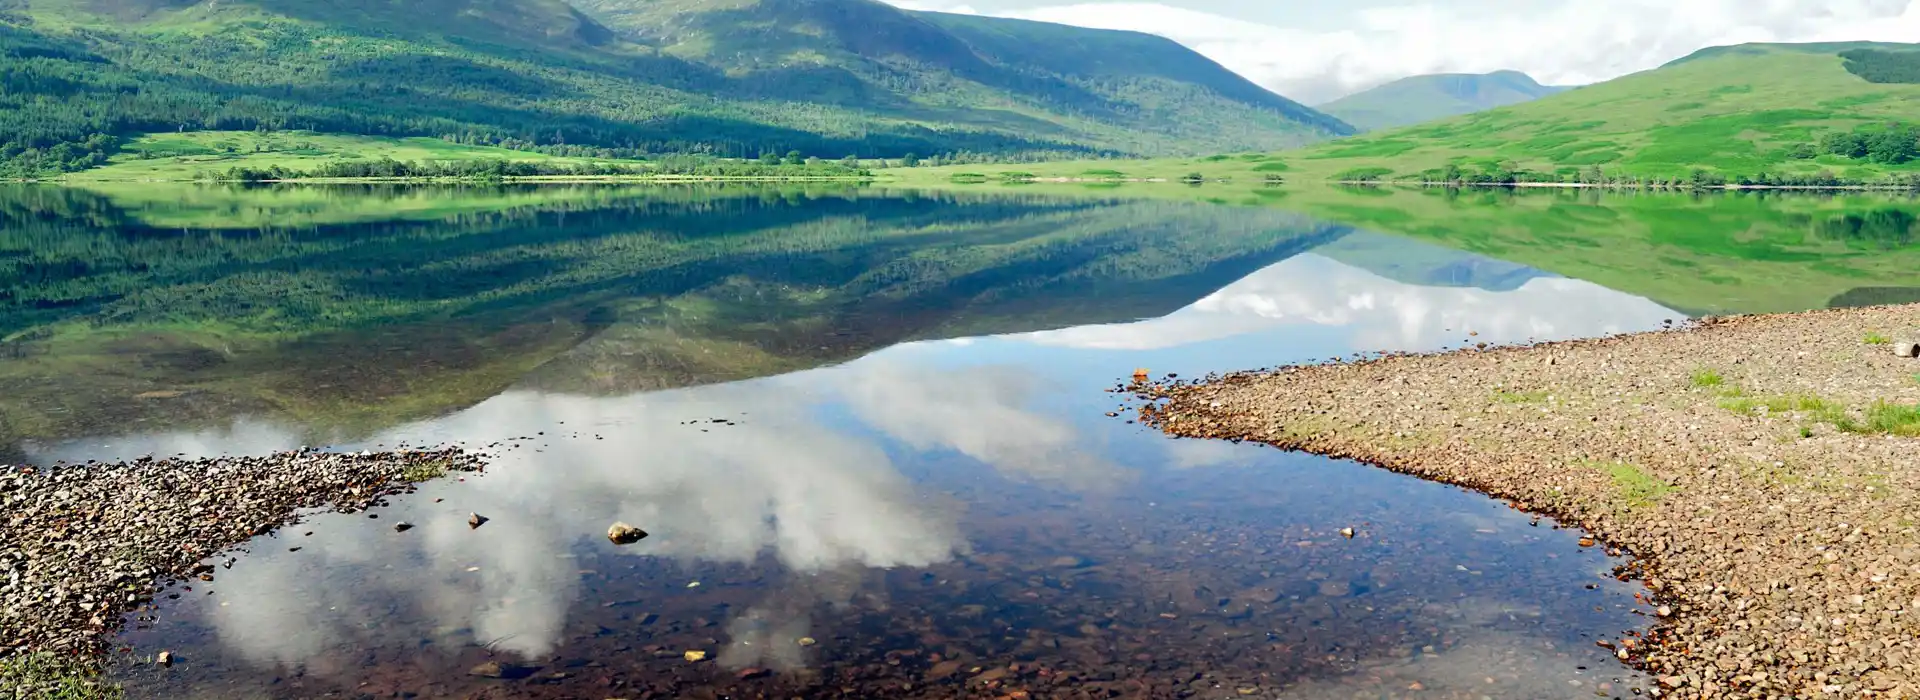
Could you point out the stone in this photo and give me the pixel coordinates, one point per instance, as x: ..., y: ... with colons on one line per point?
x: 475, y: 520
x: 490, y: 669
x: 402, y: 526
x: 694, y: 656
x: 622, y: 533
x: 164, y: 659
x: 1907, y: 348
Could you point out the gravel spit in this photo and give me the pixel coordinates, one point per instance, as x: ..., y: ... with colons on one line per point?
x: 1762, y: 471
x: 84, y: 545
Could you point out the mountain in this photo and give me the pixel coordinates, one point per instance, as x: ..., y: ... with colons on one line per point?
x: 611, y: 78
x: 1424, y: 98
x: 1143, y: 91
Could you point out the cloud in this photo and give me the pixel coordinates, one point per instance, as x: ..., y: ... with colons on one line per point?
x: 1570, y: 42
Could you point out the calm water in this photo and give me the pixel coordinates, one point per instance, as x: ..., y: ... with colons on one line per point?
x: 867, y: 431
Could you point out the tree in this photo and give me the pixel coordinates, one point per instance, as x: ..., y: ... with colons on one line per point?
x: 910, y: 160
x: 795, y: 158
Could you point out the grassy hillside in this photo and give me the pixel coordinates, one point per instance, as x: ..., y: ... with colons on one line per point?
x: 1425, y: 98
x: 79, y: 77
x: 1721, y: 116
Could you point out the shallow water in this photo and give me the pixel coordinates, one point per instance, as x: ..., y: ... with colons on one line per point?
x: 869, y: 438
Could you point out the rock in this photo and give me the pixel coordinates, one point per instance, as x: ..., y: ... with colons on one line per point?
x: 807, y: 641
x: 475, y: 520
x: 622, y: 533
x: 1334, y: 589
x: 694, y: 656
x: 164, y: 659
x: 402, y: 526
x: 1663, y: 611
x: 1907, y: 348
x: 1587, y: 542
x: 1069, y: 562
x: 1346, y: 532
x: 747, y: 674
x: 1140, y: 375
x: 490, y: 669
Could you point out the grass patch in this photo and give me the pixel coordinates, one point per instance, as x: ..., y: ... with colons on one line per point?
x: 1505, y: 396
x: 1704, y: 378
x: 1882, y: 418
x: 1885, y: 418
x: 1633, y: 485
x: 46, y: 676
x: 1738, y: 402
x: 1875, y: 338
x: 425, y: 471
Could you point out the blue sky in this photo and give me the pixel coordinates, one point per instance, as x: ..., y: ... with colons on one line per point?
x: 1314, y: 51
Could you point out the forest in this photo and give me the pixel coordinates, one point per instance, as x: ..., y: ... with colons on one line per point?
x: 500, y: 169
x: 1882, y: 66
x: 68, y: 104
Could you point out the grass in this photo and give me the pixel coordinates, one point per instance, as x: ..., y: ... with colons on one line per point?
x: 1706, y: 378
x: 182, y: 156
x: 1634, y: 486
x: 424, y: 471
x: 1880, y: 418
x: 1521, y: 397
x: 1873, y: 338
x: 1884, y: 418
x: 44, y: 676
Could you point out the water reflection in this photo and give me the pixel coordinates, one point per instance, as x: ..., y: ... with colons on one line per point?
x: 1377, y: 313
x: 925, y: 515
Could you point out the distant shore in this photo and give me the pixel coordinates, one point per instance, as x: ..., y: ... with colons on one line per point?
x: 1762, y: 471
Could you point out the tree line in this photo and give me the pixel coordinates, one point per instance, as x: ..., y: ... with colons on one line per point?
x: 501, y: 169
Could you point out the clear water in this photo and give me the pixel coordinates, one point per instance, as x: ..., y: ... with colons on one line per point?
x: 868, y: 434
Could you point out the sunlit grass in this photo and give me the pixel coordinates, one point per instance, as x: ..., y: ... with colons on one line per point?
x: 1705, y: 378
x: 1635, y: 486
x: 45, y: 676
x: 1875, y: 338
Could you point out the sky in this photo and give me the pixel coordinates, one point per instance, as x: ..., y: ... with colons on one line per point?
x: 1315, y: 51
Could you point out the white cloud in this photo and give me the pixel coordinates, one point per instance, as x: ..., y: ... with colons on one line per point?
x: 1572, y: 42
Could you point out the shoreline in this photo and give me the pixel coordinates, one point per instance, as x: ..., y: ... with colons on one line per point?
x: 1766, y: 502
x: 85, y: 546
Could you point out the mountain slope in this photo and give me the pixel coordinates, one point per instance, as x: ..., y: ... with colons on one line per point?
x: 1144, y: 91
x: 733, y: 77
x: 1424, y: 98
x: 1755, y: 114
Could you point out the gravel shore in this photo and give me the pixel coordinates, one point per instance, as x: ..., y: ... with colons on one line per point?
x: 1763, y: 471
x: 84, y: 545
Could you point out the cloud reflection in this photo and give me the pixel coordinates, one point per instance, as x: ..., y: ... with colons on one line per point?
x: 1381, y: 313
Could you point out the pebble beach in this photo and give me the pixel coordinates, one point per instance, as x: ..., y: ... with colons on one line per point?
x: 1763, y: 472
x: 82, y: 546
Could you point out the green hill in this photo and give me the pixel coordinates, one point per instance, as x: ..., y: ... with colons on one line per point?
x: 1424, y: 98
x: 828, y: 78
x: 1731, y: 112
x: 1754, y: 114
